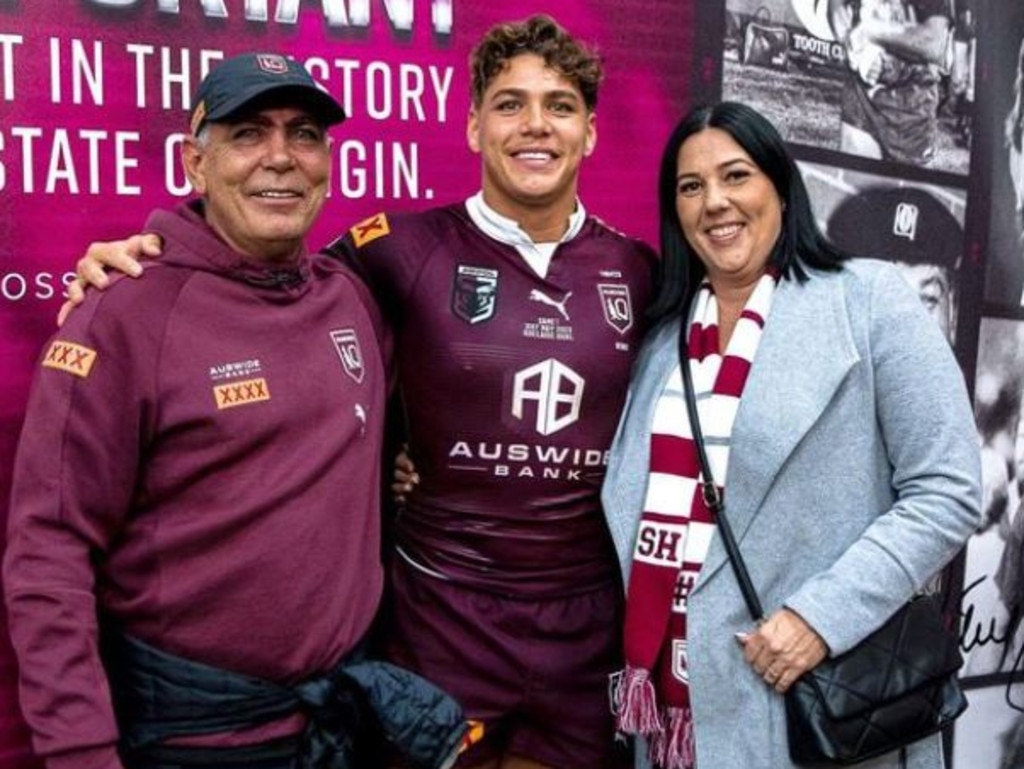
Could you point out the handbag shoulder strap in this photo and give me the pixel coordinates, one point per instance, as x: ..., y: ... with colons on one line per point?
x: 712, y: 497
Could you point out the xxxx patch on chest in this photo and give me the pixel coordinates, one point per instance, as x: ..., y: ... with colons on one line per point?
x: 241, y: 393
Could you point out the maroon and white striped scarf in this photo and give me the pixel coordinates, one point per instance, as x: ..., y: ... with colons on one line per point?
x: 651, y: 696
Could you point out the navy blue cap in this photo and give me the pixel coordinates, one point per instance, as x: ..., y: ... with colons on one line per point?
x: 235, y: 82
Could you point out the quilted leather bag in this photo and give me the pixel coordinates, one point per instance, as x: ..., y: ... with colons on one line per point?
x: 895, y: 687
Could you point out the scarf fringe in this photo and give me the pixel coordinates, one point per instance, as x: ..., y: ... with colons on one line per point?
x: 674, y: 747
x: 635, y: 703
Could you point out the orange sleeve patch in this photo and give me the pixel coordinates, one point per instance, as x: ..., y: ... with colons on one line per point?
x: 370, y: 229
x: 70, y: 357
x: 473, y: 735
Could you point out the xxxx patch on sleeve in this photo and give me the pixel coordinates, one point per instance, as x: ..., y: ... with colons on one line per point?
x: 70, y: 357
x: 370, y: 229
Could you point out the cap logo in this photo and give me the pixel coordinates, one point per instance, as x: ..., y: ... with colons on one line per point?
x: 904, y: 223
x: 272, y: 63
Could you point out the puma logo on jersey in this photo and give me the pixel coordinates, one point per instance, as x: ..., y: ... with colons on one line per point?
x: 536, y: 295
x: 70, y: 357
x: 370, y: 229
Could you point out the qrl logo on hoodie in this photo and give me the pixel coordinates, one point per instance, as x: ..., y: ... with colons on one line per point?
x: 346, y: 343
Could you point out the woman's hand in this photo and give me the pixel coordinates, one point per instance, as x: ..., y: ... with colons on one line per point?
x: 406, y: 477
x: 782, y: 649
x: 119, y: 255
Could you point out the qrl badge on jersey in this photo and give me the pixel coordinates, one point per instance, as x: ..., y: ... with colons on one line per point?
x: 618, y: 310
x: 347, y: 345
x: 70, y: 358
x: 474, y: 293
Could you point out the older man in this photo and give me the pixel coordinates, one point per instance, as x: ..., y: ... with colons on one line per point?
x: 194, y: 532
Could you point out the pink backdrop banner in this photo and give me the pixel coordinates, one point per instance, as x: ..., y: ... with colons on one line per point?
x: 95, y: 93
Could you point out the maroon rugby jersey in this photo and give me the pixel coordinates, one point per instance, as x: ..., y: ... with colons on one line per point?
x: 512, y: 386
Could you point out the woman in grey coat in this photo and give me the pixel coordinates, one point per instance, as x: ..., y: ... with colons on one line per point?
x: 837, y: 420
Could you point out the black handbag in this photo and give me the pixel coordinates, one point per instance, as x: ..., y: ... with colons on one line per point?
x: 895, y: 687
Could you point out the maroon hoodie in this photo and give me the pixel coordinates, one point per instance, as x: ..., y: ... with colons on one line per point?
x: 199, y: 462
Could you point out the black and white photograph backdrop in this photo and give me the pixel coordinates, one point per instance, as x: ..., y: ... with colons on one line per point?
x: 821, y: 72
x: 1004, y: 93
x: 992, y: 601
x: 918, y: 226
x: 990, y: 733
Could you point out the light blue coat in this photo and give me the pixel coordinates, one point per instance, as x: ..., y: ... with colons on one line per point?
x: 853, y: 477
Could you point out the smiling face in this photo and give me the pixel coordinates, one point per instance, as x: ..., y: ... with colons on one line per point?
x: 532, y: 131
x: 264, y: 177
x: 729, y: 210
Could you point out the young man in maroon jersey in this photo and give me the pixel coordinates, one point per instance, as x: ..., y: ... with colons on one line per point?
x: 517, y: 317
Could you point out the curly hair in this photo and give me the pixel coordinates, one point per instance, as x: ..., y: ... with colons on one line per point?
x: 543, y: 36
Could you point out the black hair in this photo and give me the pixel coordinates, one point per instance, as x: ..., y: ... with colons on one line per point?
x: 801, y: 243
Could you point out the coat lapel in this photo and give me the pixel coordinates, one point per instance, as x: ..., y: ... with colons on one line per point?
x: 804, y: 355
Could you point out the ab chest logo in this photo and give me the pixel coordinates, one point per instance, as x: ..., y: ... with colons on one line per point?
x: 546, y: 398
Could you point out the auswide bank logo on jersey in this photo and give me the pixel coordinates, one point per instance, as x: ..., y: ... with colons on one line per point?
x: 548, y: 396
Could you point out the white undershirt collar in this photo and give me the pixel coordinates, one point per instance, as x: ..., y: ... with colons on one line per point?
x: 508, y: 231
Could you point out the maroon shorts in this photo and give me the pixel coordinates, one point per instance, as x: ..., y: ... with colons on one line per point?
x: 534, y: 672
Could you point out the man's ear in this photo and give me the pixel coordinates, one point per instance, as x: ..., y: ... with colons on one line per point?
x: 192, y: 156
x: 591, y: 140
x: 473, y: 130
